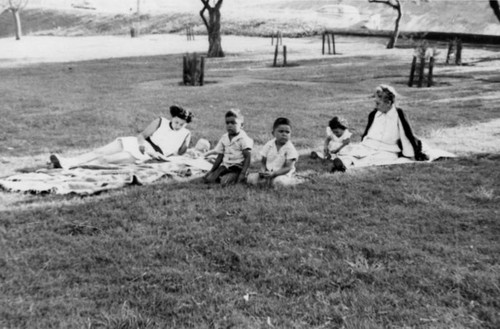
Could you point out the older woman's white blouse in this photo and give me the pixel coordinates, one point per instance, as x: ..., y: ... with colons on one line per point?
x: 384, y: 133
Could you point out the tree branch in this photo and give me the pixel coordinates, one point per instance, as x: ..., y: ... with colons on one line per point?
x: 390, y: 3
x: 496, y: 8
x: 206, y: 6
x: 218, y: 4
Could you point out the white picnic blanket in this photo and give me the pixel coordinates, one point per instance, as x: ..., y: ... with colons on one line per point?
x: 87, y: 180
x: 388, y: 158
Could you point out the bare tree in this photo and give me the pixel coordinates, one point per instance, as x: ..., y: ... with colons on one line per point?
x: 496, y: 8
x: 213, y: 27
x: 398, y: 6
x: 14, y: 6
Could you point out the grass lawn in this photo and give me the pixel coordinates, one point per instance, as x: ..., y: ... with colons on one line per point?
x: 412, y: 246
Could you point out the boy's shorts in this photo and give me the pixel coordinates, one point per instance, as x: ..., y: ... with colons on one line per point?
x: 225, y: 175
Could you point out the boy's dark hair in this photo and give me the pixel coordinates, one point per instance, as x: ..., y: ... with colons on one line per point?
x: 281, y: 121
x: 235, y: 113
x: 179, y: 112
x: 337, y: 122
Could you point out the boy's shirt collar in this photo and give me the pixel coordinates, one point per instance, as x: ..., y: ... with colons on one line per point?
x: 273, y: 141
x: 390, y: 113
x: 241, y: 134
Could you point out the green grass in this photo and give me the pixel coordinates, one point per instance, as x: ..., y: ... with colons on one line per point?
x: 55, y: 107
x: 413, y: 246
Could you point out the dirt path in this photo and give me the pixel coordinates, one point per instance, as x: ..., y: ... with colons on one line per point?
x: 49, y: 49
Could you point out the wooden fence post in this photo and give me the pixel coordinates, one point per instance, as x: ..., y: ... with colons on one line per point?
x: 323, y: 51
x: 333, y: 44
x: 421, y: 71
x: 329, y: 46
x: 458, y: 53
x: 412, y: 71
x: 193, y: 70
x: 189, y: 33
x: 430, y: 81
x: 202, y: 70
x: 185, y: 72
x: 275, y: 54
x: 450, y: 51
x: 284, y: 55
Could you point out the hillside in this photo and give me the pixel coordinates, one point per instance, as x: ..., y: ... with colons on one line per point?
x: 258, y: 17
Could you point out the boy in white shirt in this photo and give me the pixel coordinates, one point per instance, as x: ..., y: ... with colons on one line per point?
x: 278, y: 158
x: 234, y: 152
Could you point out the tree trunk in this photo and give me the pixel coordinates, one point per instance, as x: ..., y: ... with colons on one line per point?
x: 395, y: 34
x: 214, y: 38
x: 213, y: 28
x: 496, y: 8
x: 17, y: 22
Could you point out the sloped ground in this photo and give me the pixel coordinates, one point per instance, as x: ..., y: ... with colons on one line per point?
x: 465, y: 138
x: 293, y: 18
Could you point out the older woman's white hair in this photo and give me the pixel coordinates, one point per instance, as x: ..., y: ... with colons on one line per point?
x: 388, y: 91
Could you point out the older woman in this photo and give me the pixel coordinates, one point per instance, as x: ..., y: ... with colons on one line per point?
x: 387, y: 136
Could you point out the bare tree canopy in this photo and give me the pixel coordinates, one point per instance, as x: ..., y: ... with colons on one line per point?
x: 396, y: 5
x: 212, y: 24
x: 496, y: 8
x: 15, y: 6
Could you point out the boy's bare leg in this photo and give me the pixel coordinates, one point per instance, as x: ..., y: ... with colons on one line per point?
x: 214, y: 176
x: 106, y: 150
x: 122, y: 157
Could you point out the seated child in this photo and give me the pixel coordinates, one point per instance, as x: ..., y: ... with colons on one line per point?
x: 278, y: 158
x: 337, y: 138
x: 234, y: 152
x: 201, y: 148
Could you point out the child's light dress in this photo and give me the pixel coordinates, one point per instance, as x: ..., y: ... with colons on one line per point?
x: 336, y: 142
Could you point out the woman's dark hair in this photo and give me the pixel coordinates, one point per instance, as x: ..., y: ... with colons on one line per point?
x: 337, y: 122
x: 281, y: 121
x: 179, y: 112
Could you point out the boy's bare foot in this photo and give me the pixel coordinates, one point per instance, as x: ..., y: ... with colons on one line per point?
x: 54, y: 159
x: 338, y: 165
x: 59, y: 162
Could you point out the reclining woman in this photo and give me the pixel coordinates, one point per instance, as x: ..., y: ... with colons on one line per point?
x: 387, y: 137
x: 160, y: 139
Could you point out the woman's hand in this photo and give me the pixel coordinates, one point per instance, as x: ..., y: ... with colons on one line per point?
x: 158, y: 156
x: 326, y: 153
